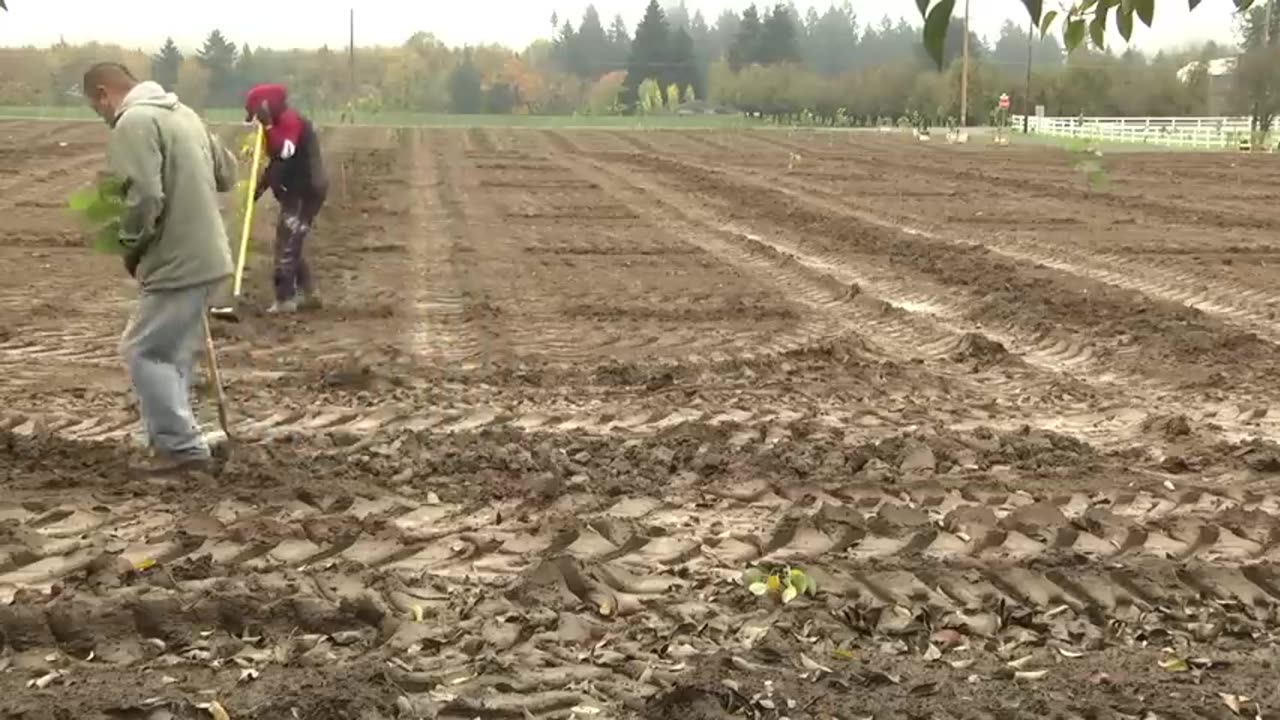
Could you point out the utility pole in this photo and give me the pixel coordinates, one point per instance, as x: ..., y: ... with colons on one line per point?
x: 1270, y: 4
x: 964, y: 75
x: 1026, y: 97
x: 351, y: 53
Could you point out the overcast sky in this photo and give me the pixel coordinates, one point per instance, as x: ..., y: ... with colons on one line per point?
x: 312, y: 23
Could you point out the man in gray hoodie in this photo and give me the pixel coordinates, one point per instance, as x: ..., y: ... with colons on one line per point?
x: 175, y: 246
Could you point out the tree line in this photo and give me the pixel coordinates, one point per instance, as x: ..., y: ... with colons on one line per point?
x: 829, y: 66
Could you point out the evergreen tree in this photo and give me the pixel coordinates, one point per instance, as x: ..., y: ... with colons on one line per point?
x: 832, y: 44
x: 1252, y: 27
x: 218, y: 55
x: 565, y: 51
x: 166, y: 64
x: 595, y: 52
x: 682, y: 64
x: 649, y: 52
x: 723, y: 34
x: 246, y: 69
x: 677, y: 16
x: 466, y: 94
x: 1011, y: 48
x: 700, y: 35
x: 748, y: 42
x: 779, y: 43
x: 1256, y: 85
x: 619, y: 43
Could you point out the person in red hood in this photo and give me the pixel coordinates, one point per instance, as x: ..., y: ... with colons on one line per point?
x: 295, y: 174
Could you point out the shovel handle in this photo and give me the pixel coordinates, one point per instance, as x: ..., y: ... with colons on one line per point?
x: 248, y: 210
x: 211, y: 356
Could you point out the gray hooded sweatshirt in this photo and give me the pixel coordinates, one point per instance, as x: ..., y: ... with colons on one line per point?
x: 173, y: 168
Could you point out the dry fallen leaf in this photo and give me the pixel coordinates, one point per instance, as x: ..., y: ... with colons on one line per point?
x: 1174, y: 664
x: 1020, y: 662
x: 1073, y: 654
x: 810, y: 664
x: 44, y: 681
x: 933, y: 653
x: 1030, y: 674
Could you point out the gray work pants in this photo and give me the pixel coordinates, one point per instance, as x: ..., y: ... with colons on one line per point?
x: 160, y: 347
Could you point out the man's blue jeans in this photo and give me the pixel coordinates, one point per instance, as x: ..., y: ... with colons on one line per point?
x: 160, y: 347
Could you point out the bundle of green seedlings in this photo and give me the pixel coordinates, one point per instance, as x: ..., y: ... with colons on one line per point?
x: 100, y: 206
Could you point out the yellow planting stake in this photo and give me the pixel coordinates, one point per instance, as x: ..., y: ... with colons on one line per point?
x: 248, y: 210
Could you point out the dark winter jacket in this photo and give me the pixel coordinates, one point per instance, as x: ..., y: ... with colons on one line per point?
x: 296, y: 166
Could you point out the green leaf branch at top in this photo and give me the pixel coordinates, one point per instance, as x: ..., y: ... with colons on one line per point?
x: 1081, y: 20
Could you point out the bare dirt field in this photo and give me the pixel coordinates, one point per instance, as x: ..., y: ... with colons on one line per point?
x: 569, y: 385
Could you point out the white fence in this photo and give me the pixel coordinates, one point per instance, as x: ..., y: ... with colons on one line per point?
x: 1188, y: 132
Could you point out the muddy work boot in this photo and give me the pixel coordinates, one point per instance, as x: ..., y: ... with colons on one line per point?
x: 283, y: 307
x: 309, y: 301
x: 160, y: 465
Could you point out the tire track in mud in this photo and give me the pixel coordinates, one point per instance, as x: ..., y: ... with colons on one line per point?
x: 909, y: 322
x: 1128, y: 395
x: 1153, y: 211
x: 285, y: 574
x: 811, y: 197
x: 1250, y: 310
x: 922, y: 321
x: 444, y: 332
x: 837, y: 303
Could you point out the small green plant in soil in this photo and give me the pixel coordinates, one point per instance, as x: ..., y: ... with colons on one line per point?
x: 100, y: 207
x: 1089, y: 163
x: 785, y: 581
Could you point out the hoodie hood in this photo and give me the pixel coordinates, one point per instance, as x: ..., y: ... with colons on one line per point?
x: 274, y: 96
x: 147, y: 93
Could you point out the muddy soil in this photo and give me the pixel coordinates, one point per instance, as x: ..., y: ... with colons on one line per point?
x: 567, y: 387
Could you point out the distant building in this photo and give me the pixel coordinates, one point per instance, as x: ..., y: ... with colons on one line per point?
x: 1221, y: 76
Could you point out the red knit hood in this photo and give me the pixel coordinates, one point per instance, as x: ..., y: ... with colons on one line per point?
x: 275, y: 96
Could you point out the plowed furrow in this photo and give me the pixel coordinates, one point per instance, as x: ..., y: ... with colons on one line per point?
x: 1250, y: 310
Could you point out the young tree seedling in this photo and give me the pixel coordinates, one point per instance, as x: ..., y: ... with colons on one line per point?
x: 785, y: 581
x: 100, y: 207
